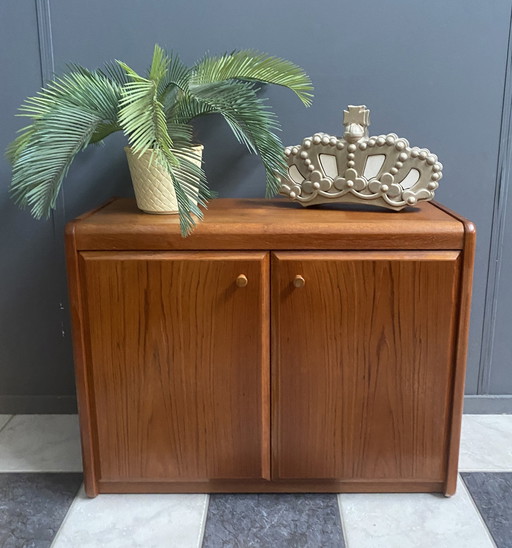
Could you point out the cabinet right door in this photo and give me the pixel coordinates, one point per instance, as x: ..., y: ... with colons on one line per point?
x: 363, y: 346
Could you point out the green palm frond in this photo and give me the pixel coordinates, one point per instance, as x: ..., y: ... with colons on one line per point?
x: 114, y: 72
x: 190, y: 185
x: 252, y: 122
x: 181, y: 133
x: 190, y: 176
x: 177, y: 74
x: 69, y: 114
x: 41, y: 165
x: 189, y: 107
x: 142, y: 115
x: 173, y: 84
x: 15, y: 148
x: 256, y: 66
x: 159, y: 64
x: 87, y: 90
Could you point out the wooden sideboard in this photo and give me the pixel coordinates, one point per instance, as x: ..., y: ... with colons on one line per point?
x: 276, y: 349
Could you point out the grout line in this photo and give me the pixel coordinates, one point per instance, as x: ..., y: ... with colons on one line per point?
x: 68, y: 513
x: 480, y: 517
x: 485, y: 470
x: 202, y: 527
x: 342, y: 520
x: 8, y: 421
x: 39, y: 471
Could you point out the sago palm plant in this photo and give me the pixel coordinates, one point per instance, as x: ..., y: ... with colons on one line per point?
x: 154, y: 111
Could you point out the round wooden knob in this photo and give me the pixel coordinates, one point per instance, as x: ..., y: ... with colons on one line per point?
x: 299, y: 281
x: 242, y: 281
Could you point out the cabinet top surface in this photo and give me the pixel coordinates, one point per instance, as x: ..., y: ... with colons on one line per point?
x: 270, y: 224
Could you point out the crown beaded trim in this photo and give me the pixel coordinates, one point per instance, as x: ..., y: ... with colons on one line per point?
x: 382, y: 170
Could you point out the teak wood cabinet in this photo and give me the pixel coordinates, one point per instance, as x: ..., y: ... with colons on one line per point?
x: 276, y: 349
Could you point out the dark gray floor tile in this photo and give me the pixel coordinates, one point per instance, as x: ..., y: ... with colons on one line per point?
x: 33, y: 505
x: 492, y: 493
x: 273, y: 521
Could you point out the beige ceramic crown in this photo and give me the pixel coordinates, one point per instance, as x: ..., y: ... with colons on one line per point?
x: 382, y: 170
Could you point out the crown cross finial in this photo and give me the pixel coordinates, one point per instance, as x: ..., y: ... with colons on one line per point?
x: 356, y: 115
x: 356, y: 121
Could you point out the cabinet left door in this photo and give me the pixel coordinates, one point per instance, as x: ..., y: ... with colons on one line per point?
x: 177, y: 363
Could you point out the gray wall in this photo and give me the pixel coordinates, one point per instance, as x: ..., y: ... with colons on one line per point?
x: 434, y: 72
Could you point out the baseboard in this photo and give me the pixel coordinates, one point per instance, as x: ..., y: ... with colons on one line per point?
x: 488, y: 405
x: 31, y: 405
x: 35, y: 405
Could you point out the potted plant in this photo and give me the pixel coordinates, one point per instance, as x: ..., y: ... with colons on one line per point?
x: 154, y: 111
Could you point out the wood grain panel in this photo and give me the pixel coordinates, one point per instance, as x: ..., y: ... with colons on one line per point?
x: 179, y: 361
x: 272, y: 224
x: 461, y: 347
x: 363, y: 364
x: 85, y: 396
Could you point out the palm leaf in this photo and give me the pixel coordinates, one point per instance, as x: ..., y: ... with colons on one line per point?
x: 181, y: 133
x: 176, y: 75
x: 252, y: 122
x: 255, y: 66
x: 190, y: 186
x: 114, y: 72
x: 87, y: 90
x: 142, y: 115
x: 66, y: 116
x: 174, y: 83
x: 15, y: 148
x: 189, y: 107
x: 41, y: 165
x: 189, y: 179
x: 159, y: 64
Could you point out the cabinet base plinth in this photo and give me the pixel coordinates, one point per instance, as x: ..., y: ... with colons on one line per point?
x: 380, y: 486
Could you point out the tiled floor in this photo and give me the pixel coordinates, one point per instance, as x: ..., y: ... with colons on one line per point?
x: 42, y: 504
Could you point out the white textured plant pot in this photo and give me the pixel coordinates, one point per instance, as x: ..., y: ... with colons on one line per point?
x: 154, y: 188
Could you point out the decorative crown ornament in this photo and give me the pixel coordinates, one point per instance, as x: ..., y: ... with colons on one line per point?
x: 382, y: 170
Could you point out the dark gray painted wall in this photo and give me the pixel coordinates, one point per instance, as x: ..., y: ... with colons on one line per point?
x: 433, y: 72
x: 35, y: 359
x: 500, y: 374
